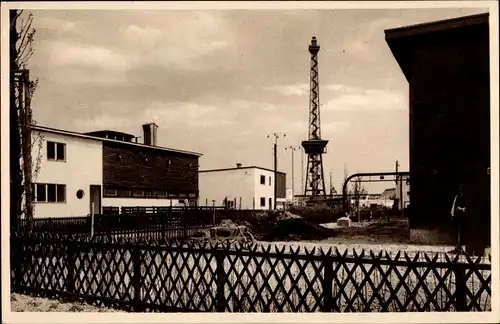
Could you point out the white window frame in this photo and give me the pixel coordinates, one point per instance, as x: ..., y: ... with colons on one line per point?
x: 46, y: 187
x: 55, y: 159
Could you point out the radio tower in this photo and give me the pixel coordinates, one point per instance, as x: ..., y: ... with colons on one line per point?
x: 314, y: 147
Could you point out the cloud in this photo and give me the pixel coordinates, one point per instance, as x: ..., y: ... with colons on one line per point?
x: 347, y: 98
x: 66, y: 54
x: 54, y: 23
x: 298, y: 89
x: 181, y: 42
x: 337, y: 87
x: 335, y: 127
x: 188, y: 113
x: 104, y: 121
x: 146, y: 35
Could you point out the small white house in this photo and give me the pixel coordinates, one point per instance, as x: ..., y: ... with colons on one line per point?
x: 69, y: 176
x: 249, y: 187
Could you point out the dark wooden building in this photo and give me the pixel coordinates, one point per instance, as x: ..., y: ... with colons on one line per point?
x: 447, y: 66
x: 146, y: 171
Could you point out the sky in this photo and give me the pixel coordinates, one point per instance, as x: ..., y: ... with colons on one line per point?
x: 219, y: 82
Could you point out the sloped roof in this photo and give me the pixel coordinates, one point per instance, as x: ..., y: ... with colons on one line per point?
x: 96, y: 138
x: 403, y: 40
x: 388, y: 194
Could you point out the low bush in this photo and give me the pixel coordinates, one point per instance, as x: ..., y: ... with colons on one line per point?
x: 318, y: 214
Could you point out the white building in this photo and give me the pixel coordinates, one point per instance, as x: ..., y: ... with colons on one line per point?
x: 108, y: 169
x: 242, y: 187
x: 70, y: 174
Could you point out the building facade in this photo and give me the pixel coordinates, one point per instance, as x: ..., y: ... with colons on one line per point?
x: 447, y: 67
x: 79, y: 172
x: 241, y: 187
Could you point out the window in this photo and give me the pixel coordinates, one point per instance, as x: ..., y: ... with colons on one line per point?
x: 161, y: 194
x: 41, y: 192
x: 80, y: 194
x: 270, y: 203
x: 262, y: 179
x: 53, y: 193
x: 262, y: 202
x: 61, y: 193
x: 138, y: 193
x: 56, y: 151
x: 108, y: 192
x: 269, y: 180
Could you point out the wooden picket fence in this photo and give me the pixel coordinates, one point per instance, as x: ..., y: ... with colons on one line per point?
x: 133, y: 223
x: 169, y: 276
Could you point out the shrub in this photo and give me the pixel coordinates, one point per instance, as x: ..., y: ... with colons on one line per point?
x: 317, y: 214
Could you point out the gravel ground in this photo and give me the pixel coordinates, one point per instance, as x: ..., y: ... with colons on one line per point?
x: 25, y: 303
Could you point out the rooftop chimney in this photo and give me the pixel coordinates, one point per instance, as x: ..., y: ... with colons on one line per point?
x: 238, y: 165
x: 150, y: 134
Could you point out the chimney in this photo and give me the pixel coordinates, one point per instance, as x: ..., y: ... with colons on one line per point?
x: 150, y: 134
x: 238, y: 165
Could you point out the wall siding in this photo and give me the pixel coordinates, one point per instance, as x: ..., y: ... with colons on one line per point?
x: 449, y: 125
x: 126, y: 167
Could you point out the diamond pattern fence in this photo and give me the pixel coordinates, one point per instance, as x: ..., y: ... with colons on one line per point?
x: 166, y: 276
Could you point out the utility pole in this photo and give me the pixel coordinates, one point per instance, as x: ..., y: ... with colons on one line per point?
x: 302, y: 169
x: 293, y: 148
x: 276, y: 136
x: 331, y: 186
x: 398, y: 183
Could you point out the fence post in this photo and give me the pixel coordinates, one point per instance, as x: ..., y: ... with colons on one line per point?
x: 136, y: 261
x: 92, y: 222
x: 70, y: 265
x: 214, y: 221
x: 460, y: 288
x: 163, y: 225
x: 220, y: 275
x: 328, y: 285
x: 185, y: 221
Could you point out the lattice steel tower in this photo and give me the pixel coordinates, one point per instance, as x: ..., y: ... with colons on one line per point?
x: 314, y: 147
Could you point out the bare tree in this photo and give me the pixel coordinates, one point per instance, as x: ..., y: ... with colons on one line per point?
x: 21, y: 140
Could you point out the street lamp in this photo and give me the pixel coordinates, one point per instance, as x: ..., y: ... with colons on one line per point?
x: 293, y: 148
x: 276, y: 136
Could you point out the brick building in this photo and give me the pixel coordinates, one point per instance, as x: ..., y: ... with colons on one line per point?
x: 109, y: 169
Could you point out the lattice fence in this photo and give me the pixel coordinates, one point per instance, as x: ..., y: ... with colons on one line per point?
x: 209, y: 277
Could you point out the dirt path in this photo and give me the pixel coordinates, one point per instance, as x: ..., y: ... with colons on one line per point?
x: 25, y: 303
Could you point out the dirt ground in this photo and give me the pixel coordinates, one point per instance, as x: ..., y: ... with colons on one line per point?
x: 25, y: 303
x: 374, y: 232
